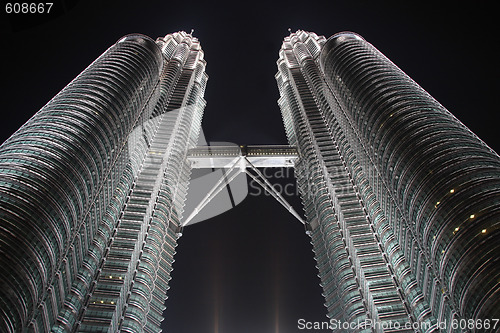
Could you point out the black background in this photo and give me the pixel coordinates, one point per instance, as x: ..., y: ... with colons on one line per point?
x: 252, y: 269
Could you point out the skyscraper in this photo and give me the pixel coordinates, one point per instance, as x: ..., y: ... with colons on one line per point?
x: 402, y: 200
x: 92, y: 189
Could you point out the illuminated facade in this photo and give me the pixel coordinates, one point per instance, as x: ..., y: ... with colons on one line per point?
x: 92, y: 189
x: 402, y: 200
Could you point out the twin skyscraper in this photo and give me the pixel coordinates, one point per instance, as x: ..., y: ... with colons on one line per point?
x: 401, y: 200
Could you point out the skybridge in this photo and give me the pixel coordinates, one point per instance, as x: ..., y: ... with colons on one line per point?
x: 258, y: 156
x: 234, y: 160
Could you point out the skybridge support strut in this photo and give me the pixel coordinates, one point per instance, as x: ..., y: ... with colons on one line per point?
x: 240, y: 159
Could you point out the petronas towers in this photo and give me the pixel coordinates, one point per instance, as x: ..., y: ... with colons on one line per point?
x: 401, y: 200
x: 92, y: 191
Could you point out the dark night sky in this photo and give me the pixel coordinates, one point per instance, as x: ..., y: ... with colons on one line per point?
x: 252, y: 268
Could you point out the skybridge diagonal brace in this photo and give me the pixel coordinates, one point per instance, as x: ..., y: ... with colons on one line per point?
x: 219, y: 186
x: 266, y: 185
